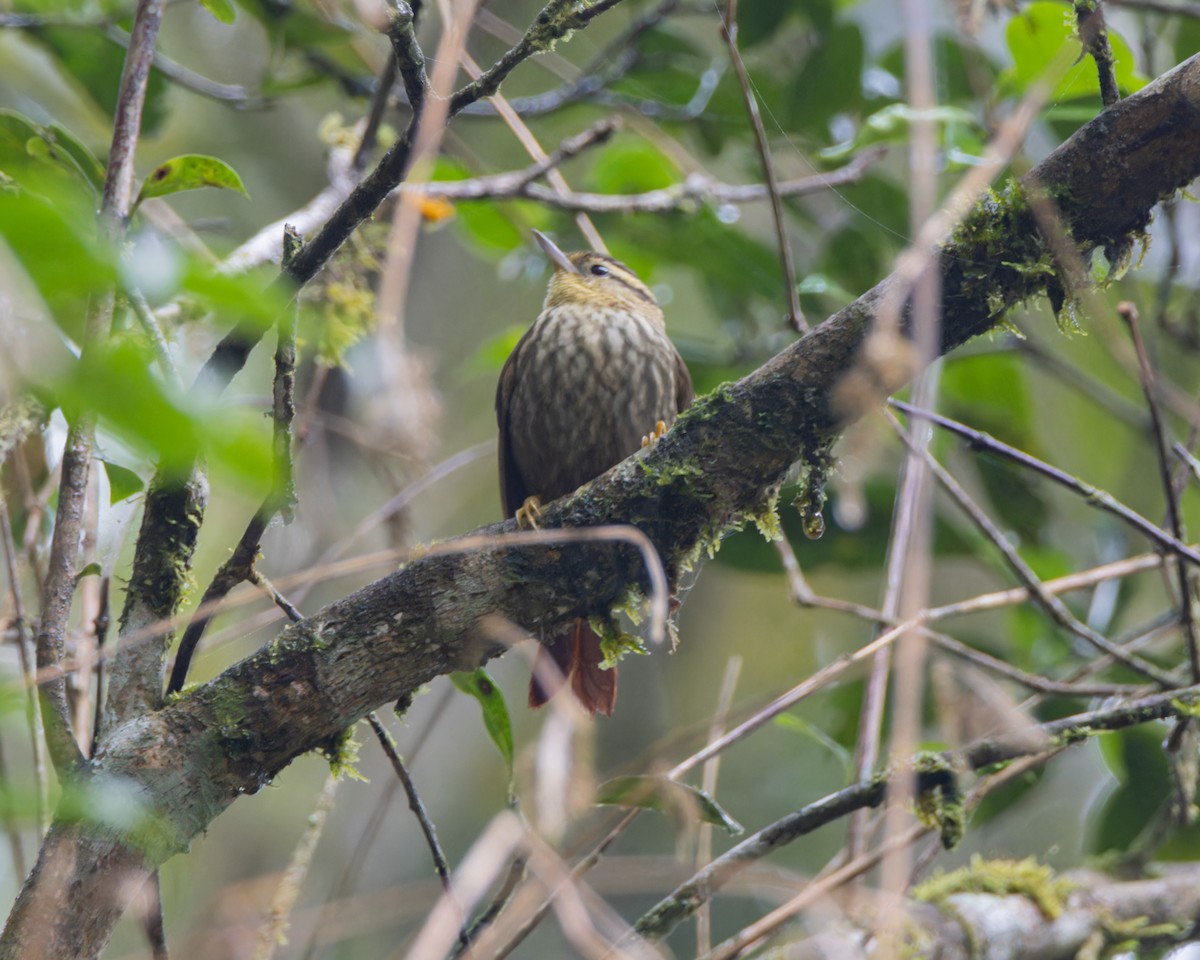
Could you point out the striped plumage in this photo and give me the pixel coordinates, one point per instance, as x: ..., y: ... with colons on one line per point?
x: 586, y: 382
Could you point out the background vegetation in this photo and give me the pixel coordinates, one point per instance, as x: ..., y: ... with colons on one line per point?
x: 400, y: 339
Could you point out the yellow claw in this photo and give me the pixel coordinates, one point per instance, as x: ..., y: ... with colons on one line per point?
x: 654, y: 435
x: 529, y: 513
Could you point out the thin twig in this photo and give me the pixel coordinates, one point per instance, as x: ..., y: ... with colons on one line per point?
x: 1054, y: 607
x: 418, y: 808
x: 407, y: 54
x: 708, y: 783
x: 289, y: 609
x: 371, y: 830
x: 191, y: 80
x: 28, y: 655
x: 1030, y: 680
x: 1182, y: 8
x: 1093, y: 32
x: 281, y: 499
x: 1129, y: 313
x: 693, y: 194
x: 790, y: 291
x: 517, y: 871
x: 983, y: 753
x: 1094, y: 496
x: 379, y: 101
x: 558, y: 183
x: 149, y: 322
x: 233, y: 571
x: 102, y: 623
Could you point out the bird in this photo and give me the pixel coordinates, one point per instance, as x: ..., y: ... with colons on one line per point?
x: 594, y: 379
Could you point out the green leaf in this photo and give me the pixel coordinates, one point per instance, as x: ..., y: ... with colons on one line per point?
x: 667, y: 796
x: 123, y: 483
x: 221, y: 9
x: 830, y: 81
x: 50, y: 228
x: 892, y: 125
x: 790, y: 721
x: 95, y: 63
x: 1187, y: 38
x: 494, y: 708
x: 191, y: 171
x: 118, y: 385
x: 53, y: 146
x: 1036, y: 38
x: 93, y: 569
x: 633, y: 167
x: 1135, y: 758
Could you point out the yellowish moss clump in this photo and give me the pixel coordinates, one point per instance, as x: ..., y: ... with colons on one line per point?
x: 1027, y: 878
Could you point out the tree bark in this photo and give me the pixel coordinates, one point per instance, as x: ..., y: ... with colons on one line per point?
x: 180, y: 766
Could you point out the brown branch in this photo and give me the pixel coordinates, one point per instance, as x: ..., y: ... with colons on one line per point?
x: 1094, y: 496
x: 685, y: 899
x: 556, y: 20
x: 1128, y: 312
x: 1058, y: 611
x: 189, y: 760
x: 1093, y: 32
x: 440, y: 866
x: 695, y: 192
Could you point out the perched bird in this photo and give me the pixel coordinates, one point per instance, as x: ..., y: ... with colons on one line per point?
x: 594, y: 374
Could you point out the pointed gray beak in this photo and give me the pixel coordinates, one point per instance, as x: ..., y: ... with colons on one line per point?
x: 557, y: 258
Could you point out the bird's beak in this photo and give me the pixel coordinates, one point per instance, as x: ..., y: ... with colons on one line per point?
x: 557, y: 258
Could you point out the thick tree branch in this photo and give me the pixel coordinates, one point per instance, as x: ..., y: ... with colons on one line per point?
x: 188, y: 761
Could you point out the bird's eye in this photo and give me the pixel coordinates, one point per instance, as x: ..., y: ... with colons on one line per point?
x: 599, y: 270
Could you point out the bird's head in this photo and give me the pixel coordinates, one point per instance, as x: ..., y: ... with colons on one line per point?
x: 595, y: 279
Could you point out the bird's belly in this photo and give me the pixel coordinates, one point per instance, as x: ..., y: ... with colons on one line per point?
x: 590, y: 404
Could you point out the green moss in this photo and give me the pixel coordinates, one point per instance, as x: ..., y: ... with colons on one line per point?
x: 767, y: 519
x: 341, y: 750
x: 177, y: 695
x: 614, y: 642
x: 999, y: 226
x: 941, y: 804
x: 1028, y: 878
x: 229, y: 712
x: 297, y: 639
x: 1125, y: 936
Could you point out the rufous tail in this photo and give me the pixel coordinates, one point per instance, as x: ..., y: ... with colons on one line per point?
x: 574, y: 657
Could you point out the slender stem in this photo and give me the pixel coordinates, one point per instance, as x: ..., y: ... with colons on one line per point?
x: 418, y: 808
x: 1052, y: 605
x: 1094, y: 496
x: 1089, y: 19
x: 25, y: 649
x: 1129, y: 313
x: 790, y: 291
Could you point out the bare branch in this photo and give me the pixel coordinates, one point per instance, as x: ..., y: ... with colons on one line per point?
x: 791, y: 293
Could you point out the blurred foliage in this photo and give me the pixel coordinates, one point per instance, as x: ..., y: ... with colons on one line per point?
x: 829, y: 77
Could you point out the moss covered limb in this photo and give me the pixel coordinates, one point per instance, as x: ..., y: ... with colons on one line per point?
x: 162, y: 570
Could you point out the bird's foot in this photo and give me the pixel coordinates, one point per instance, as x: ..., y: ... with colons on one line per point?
x: 650, y: 439
x: 529, y: 513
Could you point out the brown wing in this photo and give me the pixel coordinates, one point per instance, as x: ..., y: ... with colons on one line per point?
x: 513, y: 490
x: 684, y: 392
